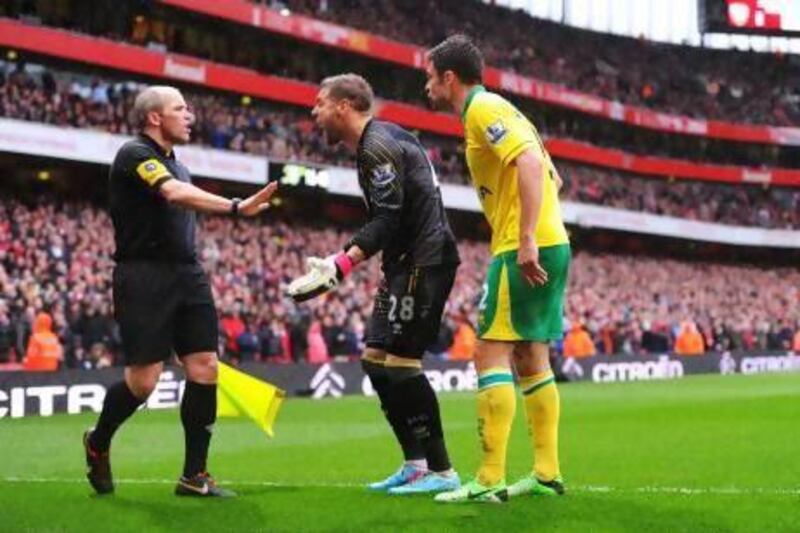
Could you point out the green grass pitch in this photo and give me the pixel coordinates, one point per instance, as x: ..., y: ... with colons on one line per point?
x: 707, y: 453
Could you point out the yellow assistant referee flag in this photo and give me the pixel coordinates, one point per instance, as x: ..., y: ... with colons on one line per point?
x: 240, y: 394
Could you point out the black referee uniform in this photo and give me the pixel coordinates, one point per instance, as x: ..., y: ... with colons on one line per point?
x: 407, y: 222
x: 162, y: 297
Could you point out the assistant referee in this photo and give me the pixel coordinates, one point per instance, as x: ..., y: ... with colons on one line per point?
x: 162, y: 297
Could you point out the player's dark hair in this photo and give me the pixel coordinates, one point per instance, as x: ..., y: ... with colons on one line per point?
x: 351, y: 87
x: 459, y: 54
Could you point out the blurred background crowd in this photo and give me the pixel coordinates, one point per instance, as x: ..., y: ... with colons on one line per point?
x: 55, y: 250
x: 55, y: 257
x: 288, y: 134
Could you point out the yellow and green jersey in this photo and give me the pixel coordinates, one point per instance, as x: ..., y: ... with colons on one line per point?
x: 496, y: 133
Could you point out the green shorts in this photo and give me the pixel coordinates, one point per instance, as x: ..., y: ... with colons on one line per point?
x: 511, y: 309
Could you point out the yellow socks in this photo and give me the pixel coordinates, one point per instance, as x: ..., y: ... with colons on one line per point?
x: 497, y: 403
x: 542, y: 407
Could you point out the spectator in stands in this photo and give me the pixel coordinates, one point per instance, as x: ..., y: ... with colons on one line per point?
x: 6, y: 334
x: 340, y: 339
x: 96, y: 326
x: 274, y: 342
x: 24, y: 327
x: 689, y: 341
x: 98, y: 356
x: 779, y: 336
x: 299, y: 326
x: 785, y: 334
x: 354, y: 335
x: 655, y: 339
x: 232, y: 327
x: 317, y: 349
x: 44, y: 352
x: 577, y: 342
x: 248, y: 342
x: 464, y: 341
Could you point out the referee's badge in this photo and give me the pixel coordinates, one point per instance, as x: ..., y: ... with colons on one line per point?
x: 151, y: 171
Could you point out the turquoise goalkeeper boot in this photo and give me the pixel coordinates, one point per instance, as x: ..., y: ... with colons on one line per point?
x: 406, y: 474
x: 430, y: 483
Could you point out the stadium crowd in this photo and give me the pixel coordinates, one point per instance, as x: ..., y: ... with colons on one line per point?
x: 703, y: 83
x: 774, y: 207
x: 286, y: 133
x: 730, y: 85
x: 55, y: 262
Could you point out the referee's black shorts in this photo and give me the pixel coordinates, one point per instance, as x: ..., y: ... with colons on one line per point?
x: 407, y: 312
x: 163, y: 308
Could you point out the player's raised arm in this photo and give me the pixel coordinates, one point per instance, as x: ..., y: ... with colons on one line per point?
x: 192, y: 197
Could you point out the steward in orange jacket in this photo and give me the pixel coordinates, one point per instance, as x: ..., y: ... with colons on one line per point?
x: 578, y: 343
x: 44, y: 349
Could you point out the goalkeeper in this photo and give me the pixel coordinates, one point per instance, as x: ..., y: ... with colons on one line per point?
x: 407, y: 223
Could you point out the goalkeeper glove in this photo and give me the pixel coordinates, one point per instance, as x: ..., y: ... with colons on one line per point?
x: 322, y: 276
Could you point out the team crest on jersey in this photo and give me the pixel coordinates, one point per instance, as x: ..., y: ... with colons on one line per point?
x: 496, y: 132
x: 383, y: 175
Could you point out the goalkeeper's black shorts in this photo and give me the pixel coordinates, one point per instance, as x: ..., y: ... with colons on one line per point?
x: 163, y: 308
x: 408, y: 309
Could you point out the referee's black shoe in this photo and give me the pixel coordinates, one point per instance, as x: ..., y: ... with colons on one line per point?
x: 201, y: 485
x: 98, y: 467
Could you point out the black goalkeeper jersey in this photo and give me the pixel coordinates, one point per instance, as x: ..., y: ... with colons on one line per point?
x: 407, y: 220
x: 146, y: 226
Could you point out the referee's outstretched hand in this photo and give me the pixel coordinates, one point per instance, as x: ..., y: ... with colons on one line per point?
x: 528, y: 261
x: 253, y: 205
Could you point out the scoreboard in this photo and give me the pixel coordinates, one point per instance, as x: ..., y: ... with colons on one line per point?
x: 762, y: 17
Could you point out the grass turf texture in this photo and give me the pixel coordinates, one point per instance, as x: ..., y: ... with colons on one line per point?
x: 702, y: 453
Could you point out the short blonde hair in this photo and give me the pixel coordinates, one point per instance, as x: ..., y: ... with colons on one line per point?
x: 351, y: 87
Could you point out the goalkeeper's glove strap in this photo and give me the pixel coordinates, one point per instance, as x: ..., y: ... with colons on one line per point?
x: 344, y: 265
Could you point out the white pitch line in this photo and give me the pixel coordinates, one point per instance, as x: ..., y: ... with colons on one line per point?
x: 692, y: 491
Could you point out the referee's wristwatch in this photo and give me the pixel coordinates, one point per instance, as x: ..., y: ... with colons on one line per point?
x: 235, y: 206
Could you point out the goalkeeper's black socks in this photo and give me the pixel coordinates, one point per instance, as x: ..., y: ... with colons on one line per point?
x: 415, y: 399
x: 412, y: 451
x: 198, y: 414
x: 120, y: 403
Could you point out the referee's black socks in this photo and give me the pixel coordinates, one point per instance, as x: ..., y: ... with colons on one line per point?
x: 198, y: 414
x: 120, y: 403
x: 413, y: 397
x: 412, y: 451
